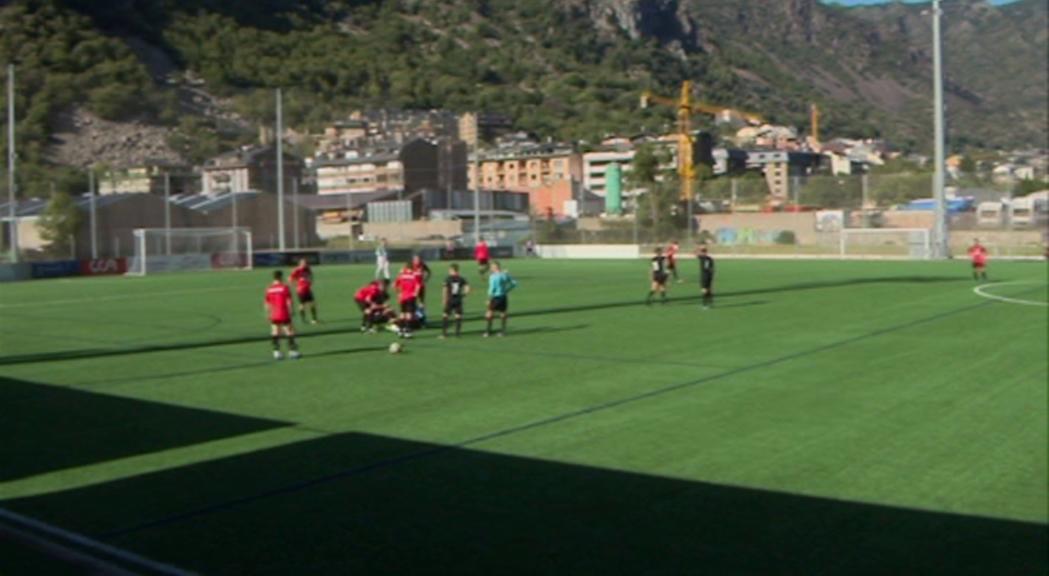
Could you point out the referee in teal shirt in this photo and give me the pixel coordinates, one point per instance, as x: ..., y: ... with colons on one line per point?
x: 499, y: 286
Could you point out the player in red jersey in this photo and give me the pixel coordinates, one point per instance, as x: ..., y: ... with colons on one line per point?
x: 481, y: 256
x: 278, y: 304
x: 407, y: 286
x: 978, y: 255
x: 302, y: 276
x: 671, y: 254
x: 367, y: 298
x: 422, y: 275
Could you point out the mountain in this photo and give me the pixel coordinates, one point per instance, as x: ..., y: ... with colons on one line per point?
x: 198, y: 75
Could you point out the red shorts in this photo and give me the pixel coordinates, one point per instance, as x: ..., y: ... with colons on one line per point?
x: 305, y: 296
x: 482, y: 261
x: 281, y: 321
x: 979, y: 263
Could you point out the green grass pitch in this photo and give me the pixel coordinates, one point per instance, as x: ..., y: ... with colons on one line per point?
x: 824, y: 418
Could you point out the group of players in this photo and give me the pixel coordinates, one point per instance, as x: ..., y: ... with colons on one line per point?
x: 374, y: 300
x: 664, y: 264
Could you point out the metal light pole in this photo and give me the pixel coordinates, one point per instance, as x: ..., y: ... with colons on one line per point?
x: 295, y: 212
x: 11, y: 189
x: 167, y: 214
x: 940, y: 233
x: 477, y: 194
x: 280, y: 173
x: 92, y: 212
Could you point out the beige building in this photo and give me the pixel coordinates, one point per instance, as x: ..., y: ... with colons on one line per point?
x: 477, y: 127
x: 145, y: 179
x: 526, y: 168
x: 252, y: 168
x: 372, y: 173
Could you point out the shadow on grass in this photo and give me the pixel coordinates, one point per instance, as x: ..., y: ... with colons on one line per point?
x: 48, y: 428
x: 352, y: 327
x: 357, y: 503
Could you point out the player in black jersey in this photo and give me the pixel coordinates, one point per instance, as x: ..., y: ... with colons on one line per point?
x: 455, y: 289
x: 706, y: 276
x: 659, y: 277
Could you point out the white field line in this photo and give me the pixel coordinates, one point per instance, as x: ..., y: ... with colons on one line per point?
x: 118, y: 297
x: 98, y: 547
x: 981, y: 291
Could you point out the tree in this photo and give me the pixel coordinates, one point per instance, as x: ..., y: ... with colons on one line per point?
x: 660, y: 188
x: 59, y: 223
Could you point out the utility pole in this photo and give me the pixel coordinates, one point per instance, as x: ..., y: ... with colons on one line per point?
x: 940, y: 232
x: 280, y: 173
x: 11, y: 186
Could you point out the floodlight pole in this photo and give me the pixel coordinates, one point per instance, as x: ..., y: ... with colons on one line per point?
x: 280, y: 173
x: 940, y: 232
x: 11, y: 186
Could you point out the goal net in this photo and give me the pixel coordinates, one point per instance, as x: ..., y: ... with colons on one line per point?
x: 177, y: 249
x: 903, y: 243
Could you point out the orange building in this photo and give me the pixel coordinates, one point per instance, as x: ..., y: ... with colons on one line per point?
x: 526, y: 168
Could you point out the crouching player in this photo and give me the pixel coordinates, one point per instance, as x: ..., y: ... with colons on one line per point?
x: 455, y: 289
x: 278, y: 304
x: 369, y: 296
x: 499, y: 286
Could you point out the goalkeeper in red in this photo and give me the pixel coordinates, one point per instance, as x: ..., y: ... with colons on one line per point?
x: 978, y: 255
x: 278, y: 304
x: 302, y: 276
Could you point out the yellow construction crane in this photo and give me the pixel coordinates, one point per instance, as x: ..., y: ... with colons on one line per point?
x: 814, y: 120
x: 686, y: 108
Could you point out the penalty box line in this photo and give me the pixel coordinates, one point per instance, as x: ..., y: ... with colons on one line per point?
x: 536, y: 424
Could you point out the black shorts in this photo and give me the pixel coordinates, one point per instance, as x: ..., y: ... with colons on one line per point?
x: 659, y: 277
x: 306, y: 296
x: 671, y: 264
x: 706, y: 281
x: 482, y: 262
x: 408, y: 306
x: 499, y: 304
x: 454, y: 306
x: 363, y: 305
x: 422, y: 292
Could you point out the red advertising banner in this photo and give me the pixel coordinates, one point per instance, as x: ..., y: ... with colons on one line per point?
x: 103, y: 266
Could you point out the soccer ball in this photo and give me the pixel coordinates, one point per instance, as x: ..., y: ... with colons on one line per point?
x: 395, y: 348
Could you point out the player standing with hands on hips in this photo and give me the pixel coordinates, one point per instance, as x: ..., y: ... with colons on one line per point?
x: 499, y: 286
x: 706, y: 276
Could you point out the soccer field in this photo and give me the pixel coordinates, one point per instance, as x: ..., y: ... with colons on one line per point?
x: 823, y: 418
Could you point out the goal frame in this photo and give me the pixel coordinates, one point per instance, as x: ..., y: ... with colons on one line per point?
x: 926, y: 241
x: 139, y: 236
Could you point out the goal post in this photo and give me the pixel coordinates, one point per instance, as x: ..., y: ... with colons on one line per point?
x: 898, y: 243
x: 180, y: 249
